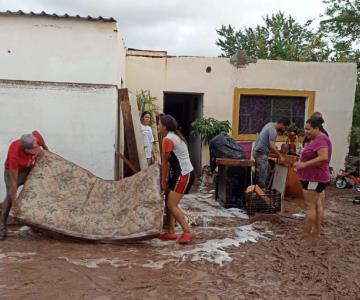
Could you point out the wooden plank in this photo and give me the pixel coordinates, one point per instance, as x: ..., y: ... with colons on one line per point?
x: 235, y: 162
x: 156, y: 146
x: 126, y: 161
x: 259, y: 192
x: 129, y: 131
x: 119, y: 144
x: 139, y: 139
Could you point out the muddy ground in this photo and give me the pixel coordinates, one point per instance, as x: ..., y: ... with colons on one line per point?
x: 230, y: 259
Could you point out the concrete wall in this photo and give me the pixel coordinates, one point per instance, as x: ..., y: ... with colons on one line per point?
x: 61, y: 50
x: 334, y: 85
x: 78, y: 122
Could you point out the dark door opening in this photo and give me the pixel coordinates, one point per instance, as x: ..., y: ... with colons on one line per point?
x: 186, y: 108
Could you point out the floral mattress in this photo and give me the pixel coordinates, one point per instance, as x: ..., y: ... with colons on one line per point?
x: 62, y: 197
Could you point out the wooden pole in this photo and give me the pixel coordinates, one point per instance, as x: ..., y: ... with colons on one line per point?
x: 127, y: 162
x: 139, y: 138
x: 156, y: 146
x: 123, y: 96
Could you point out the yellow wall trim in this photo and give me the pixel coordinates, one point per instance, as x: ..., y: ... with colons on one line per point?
x: 310, y: 105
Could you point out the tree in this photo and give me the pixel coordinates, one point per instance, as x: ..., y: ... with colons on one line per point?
x: 355, y: 129
x: 281, y: 37
x: 342, y: 25
x: 343, y: 18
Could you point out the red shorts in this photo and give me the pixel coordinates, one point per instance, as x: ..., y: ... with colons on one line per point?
x: 181, y: 184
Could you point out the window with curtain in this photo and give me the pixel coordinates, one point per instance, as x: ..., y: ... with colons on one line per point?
x: 257, y: 110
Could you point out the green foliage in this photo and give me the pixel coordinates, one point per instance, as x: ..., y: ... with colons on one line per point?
x: 342, y: 17
x: 281, y: 37
x: 355, y: 140
x: 342, y: 26
x: 208, y: 128
x: 293, y: 128
x: 146, y: 102
x: 355, y: 130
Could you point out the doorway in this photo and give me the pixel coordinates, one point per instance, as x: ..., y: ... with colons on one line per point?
x: 186, y: 108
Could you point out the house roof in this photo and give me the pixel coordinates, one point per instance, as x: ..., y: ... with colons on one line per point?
x: 65, y: 16
x: 147, y: 53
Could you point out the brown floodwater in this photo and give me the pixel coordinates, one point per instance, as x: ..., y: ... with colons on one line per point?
x: 233, y: 257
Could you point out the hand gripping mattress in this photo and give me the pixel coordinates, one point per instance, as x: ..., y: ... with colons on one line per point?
x: 62, y: 197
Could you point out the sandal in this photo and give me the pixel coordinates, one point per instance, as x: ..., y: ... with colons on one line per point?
x: 167, y: 236
x: 186, y: 237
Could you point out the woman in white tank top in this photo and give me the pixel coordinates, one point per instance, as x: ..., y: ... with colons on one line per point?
x: 177, y: 176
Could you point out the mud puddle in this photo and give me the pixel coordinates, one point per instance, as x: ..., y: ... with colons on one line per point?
x: 233, y: 257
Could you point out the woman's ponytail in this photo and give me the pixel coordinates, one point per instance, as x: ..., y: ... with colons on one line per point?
x: 172, y: 125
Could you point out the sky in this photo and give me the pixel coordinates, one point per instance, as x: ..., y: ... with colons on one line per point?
x: 179, y: 27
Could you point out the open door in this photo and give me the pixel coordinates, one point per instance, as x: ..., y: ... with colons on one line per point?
x: 186, y: 108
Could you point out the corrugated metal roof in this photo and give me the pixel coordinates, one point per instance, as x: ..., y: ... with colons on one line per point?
x: 44, y: 14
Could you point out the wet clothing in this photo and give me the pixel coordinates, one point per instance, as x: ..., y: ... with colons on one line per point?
x: 267, y: 134
x: 262, y: 168
x: 314, y: 186
x: 319, y: 173
x: 148, y: 140
x: 181, y: 175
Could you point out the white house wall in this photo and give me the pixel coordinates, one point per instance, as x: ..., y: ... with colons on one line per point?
x: 78, y: 122
x: 334, y: 84
x: 61, y: 50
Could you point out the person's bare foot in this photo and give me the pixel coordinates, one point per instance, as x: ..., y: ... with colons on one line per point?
x: 311, y: 241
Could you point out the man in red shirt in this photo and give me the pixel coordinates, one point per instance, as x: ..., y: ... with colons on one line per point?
x: 20, y: 159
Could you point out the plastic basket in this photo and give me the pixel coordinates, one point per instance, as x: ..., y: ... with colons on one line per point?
x: 254, y: 203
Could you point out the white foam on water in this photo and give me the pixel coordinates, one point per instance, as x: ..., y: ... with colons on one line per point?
x: 157, y: 265
x: 157, y: 242
x: 24, y: 228
x: 209, y: 208
x: 95, y: 262
x: 207, y: 228
x: 299, y: 215
x: 15, y: 256
x: 214, y: 250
